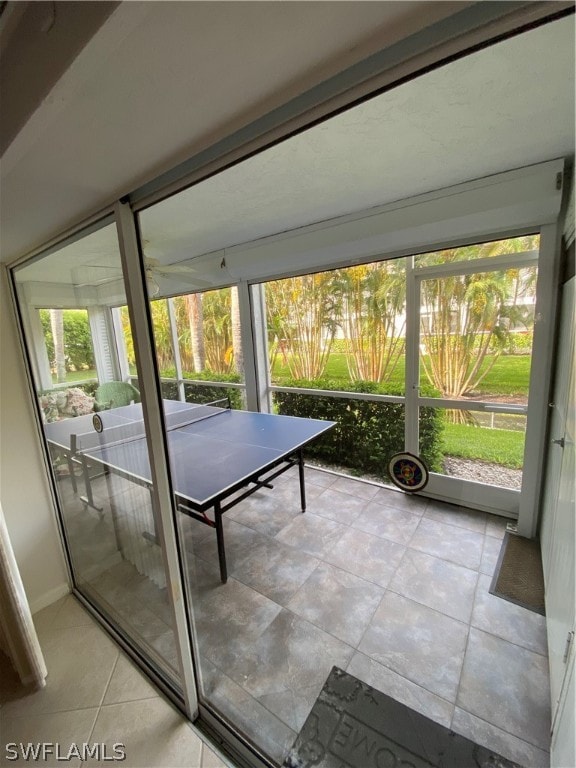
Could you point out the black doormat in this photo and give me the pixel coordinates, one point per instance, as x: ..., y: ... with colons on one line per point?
x: 353, y: 725
x: 518, y: 577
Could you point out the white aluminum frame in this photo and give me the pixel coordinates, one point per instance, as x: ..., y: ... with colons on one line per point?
x: 162, y: 495
x: 523, y: 504
x: 493, y: 498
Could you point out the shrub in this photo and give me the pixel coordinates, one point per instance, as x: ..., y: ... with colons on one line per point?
x: 520, y: 342
x: 204, y: 393
x: 77, y: 338
x: 367, y: 433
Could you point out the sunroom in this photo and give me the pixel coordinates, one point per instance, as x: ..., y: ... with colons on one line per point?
x: 323, y: 278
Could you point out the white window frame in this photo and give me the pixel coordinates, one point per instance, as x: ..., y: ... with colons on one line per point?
x: 526, y: 200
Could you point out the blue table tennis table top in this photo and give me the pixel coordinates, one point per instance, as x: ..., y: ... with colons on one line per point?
x: 208, y: 458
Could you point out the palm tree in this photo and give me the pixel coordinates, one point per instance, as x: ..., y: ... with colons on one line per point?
x: 238, y: 352
x: 57, y: 325
x: 373, y: 300
x: 461, y: 324
x: 466, y: 318
x: 195, y: 322
x: 303, y: 313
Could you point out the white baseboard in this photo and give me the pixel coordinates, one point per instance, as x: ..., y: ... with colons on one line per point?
x: 49, y: 597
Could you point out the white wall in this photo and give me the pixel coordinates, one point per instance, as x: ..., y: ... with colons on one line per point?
x: 24, y: 492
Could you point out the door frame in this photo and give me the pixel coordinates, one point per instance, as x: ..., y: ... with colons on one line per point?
x: 477, y: 495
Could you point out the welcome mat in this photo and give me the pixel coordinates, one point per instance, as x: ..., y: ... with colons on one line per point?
x: 353, y: 725
x: 518, y: 577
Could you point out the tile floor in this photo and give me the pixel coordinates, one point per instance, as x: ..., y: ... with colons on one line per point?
x: 94, y: 695
x: 391, y: 588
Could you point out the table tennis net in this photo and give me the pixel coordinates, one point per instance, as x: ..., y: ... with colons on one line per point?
x: 115, y: 430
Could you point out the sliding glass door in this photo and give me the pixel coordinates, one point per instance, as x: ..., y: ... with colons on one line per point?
x: 94, y: 431
x: 471, y: 358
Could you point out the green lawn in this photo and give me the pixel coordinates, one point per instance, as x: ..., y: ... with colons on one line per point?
x: 72, y: 376
x: 497, y: 446
x: 509, y: 376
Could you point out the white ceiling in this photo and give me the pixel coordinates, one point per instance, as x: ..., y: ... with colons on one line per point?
x: 159, y: 81
x: 507, y: 106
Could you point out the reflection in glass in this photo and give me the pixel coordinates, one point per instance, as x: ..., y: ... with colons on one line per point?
x: 81, y: 365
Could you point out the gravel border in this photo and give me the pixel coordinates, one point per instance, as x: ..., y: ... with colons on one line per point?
x: 466, y: 469
x: 483, y: 472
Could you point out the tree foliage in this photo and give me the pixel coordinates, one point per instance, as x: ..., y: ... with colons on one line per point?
x: 77, y: 338
x: 468, y: 316
x: 217, y: 330
x: 373, y: 303
x: 302, y: 317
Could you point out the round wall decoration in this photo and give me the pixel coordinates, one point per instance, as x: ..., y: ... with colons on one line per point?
x: 408, y: 472
x: 97, y: 423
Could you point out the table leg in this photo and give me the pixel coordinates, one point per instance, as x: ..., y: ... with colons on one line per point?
x: 301, y: 474
x: 89, y: 498
x: 71, y: 472
x: 220, y: 540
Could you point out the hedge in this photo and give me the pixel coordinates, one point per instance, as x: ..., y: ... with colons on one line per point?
x: 77, y: 339
x: 204, y: 393
x: 367, y: 433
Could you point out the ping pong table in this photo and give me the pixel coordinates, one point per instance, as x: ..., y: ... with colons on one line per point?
x: 218, y: 456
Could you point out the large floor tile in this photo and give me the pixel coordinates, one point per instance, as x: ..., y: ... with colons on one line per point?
x: 80, y: 661
x: 264, y: 516
x: 67, y: 730
x: 249, y: 715
x: 509, y: 621
x: 292, y: 706
x: 392, y: 497
x: 338, y: 602
x: 152, y: 732
x: 312, y: 534
x: 291, y: 655
x: 505, y: 744
x: 452, y: 514
x: 358, y: 488
x: 319, y: 477
x: 237, y: 539
x: 496, y: 525
x: 395, y: 524
x: 507, y: 686
x: 285, y: 494
x: 441, y: 585
x: 209, y: 758
x: 44, y: 619
x: 418, y: 643
x: 229, y: 618
x: 337, y: 505
x: 490, y: 554
x: 400, y: 688
x: 274, y: 569
x: 128, y: 684
x: 448, y: 542
x: 369, y: 557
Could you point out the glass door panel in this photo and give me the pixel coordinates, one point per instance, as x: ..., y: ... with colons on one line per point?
x: 342, y: 329
x: 483, y: 447
x: 94, y: 431
x: 476, y: 331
